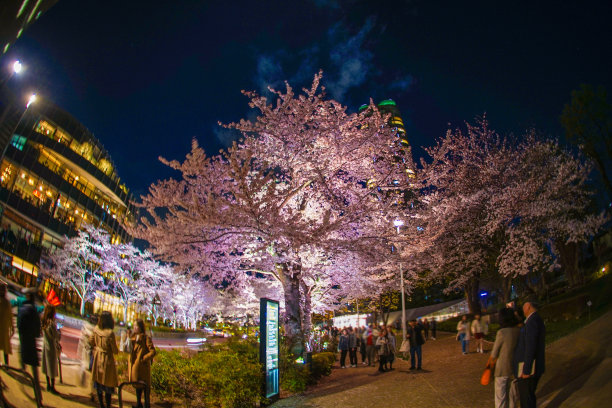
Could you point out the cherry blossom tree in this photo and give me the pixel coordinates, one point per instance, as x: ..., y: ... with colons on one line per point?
x: 134, y: 273
x: 79, y: 264
x: 298, y: 179
x: 496, y: 207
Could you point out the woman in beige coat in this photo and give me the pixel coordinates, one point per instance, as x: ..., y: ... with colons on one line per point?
x: 141, y: 355
x: 51, y: 348
x: 104, y: 369
x: 6, y: 324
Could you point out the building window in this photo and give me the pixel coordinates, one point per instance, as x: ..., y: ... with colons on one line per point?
x: 18, y: 142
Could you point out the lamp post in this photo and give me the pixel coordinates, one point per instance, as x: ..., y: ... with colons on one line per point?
x: 398, y: 224
x: 31, y: 100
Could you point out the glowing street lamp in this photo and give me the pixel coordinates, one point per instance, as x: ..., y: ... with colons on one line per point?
x: 31, y: 100
x: 17, y: 67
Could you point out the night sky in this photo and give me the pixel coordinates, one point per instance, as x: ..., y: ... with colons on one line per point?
x: 148, y: 76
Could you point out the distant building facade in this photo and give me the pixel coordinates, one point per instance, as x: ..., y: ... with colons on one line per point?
x: 55, y: 176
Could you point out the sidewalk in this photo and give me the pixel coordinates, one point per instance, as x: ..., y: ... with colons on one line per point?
x: 448, y: 379
x: 578, y: 374
x: 71, y: 395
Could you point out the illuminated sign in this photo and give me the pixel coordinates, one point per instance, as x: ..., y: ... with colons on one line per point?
x: 268, y: 345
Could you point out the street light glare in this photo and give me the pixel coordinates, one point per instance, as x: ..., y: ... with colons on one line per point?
x: 398, y: 223
x: 31, y: 100
x: 17, y: 67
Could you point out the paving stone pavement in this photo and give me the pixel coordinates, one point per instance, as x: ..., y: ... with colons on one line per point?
x: 448, y: 379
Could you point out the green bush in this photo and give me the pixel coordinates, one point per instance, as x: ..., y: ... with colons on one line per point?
x: 293, y: 377
x: 321, y: 365
x: 227, y: 375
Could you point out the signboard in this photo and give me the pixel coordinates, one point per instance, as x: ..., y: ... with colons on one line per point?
x: 268, y: 345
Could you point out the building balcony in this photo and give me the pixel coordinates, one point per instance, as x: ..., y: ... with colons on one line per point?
x: 40, y: 215
x: 29, y: 161
x: 112, y: 184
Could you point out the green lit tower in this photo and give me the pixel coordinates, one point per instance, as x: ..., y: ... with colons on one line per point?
x: 389, y: 107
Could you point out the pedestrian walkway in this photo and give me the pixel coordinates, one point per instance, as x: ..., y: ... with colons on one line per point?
x: 578, y: 374
x: 448, y: 379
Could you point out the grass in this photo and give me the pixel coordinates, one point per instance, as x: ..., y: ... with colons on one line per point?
x: 565, y: 313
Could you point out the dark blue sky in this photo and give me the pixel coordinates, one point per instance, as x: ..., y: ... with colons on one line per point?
x: 148, y: 76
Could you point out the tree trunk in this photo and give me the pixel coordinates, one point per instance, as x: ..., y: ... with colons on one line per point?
x: 83, y: 306
x: 290, y: 279
x: 125, y: 312
x: 307, y: 315
x: 506, y: 284
x: 472, y: 294
x: 568, y: 257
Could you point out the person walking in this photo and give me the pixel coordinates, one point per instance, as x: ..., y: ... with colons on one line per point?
x: 361, y: 346
x: 28, y: 326
x: 6, y: 324
x: 104, y: 369
x: 392, y: 348
x: 426, y: 328
x: 370, y: 341
x: 85, y: 355
x: 463, y: 334
x: 503, y: 354
x: 352, y: 344
x: 51, y: 348
x: 434, y: 328
x: 414, y: 334
x: 382, y: 348
x: 141, y: 356
x: 343, y: 346
x: 478, y: 333
x: 529, y: 355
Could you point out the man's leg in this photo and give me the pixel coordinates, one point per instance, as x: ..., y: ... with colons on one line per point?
x: 527, y: 387
x: 419, y: 353
x: 412, y: 358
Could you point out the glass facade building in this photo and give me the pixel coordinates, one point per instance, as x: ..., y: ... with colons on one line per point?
x: 55, y: 176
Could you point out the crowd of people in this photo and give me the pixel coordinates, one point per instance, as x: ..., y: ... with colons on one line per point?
x: 97, y: 348
x: 379, y: 345
x: 517, y: 354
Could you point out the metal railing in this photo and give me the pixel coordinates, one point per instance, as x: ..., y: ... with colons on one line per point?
x: 35, y: 386
x: 136, y: 384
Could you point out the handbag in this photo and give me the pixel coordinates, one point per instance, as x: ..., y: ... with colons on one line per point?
x: 485, y: 378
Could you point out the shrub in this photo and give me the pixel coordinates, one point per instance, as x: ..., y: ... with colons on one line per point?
x: 321, y: 365
x: 227, y: 375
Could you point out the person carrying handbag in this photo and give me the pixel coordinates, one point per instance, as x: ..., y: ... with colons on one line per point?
x: 141, y: 356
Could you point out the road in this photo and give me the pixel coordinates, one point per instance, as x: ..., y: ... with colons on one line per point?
x: 70, y: 335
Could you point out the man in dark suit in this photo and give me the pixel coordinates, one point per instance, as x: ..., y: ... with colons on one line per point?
x: 529, y: 355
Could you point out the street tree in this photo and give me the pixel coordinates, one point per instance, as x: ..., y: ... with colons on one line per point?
x: 587, y: 120
x: 497, y: 207
x: 80, y: 263
x: 298, y: 179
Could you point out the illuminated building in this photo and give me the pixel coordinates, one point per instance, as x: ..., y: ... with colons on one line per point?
x: 16, y: 16
x: 54, y: 177
x: 389, y: 107
x: 404, y: 153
